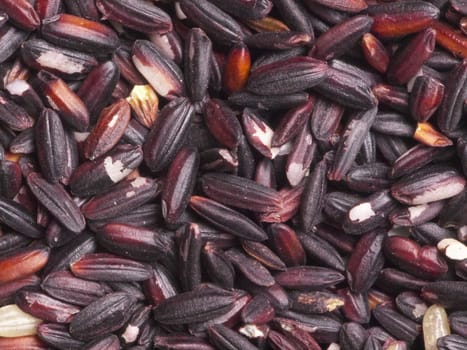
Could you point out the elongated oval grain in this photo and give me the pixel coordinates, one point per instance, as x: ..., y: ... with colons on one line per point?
x: 16, y: 323
x: 108, y: 130
x: 163, y: 75
x: 312, y: 200
x: 398, y: 19
x: 18, y: 218
x: 190, y: 257
x: 50, y: 137
x: 435, y: 326
x: 285, y: 242
x: 219, y: 25
x: 97, y: 176
x: 222, y: 123
x: 308, y: 198
x: 424, y: 262
x: 168, y: 134
x: 66, y: 287
x: 263, y: 254
x: 321, y: 251
x: 198, y: 50
x: 108, y: 267
x: 144, y: 104
x: 103, y: 316
x: 218, y: 267
x: 13, y: 115
x: 127, y: 195
x: 308, y: 277
x: 300, y: 157
x: 428, y: 185
x: 44, y: 307
x: 58, y: 335
x: 292, y: 122
x: 365, y: 262
x: 195, y: 306
x: 288, y: 76
x: 179, y: 185
x: 78, y: 33
x: 227, y: 219
x: 341, y: 37
x: 349, y: 90
x: 95, y: 90
x: 66, y: 63
x: 58, y: 96
x: 133, y: 241
x: 251, y: 268
x: 445, y: 293
x: 138, y: 15
x: 356, y: 131
x: 58, y: 202
x: 22, y: 263
x: 396, y: 324
x: 295, y: 16
x: 407, y: 61
x: 239, y: 192
x: 224, y: 337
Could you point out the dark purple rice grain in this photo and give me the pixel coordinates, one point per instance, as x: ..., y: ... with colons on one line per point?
x: 320, y: 205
